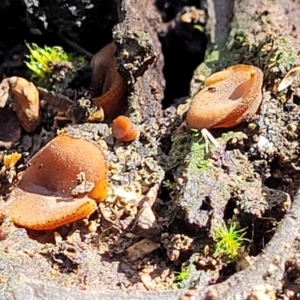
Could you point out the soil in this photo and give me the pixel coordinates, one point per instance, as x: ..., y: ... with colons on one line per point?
x: 161, y: 212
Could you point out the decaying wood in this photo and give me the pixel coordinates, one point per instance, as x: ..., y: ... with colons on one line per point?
x: 140, y: 59
x: 258, y: 22
x: 218, y: 25
x: 140, y: 63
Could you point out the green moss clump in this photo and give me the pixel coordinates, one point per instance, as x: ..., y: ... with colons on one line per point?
x: 229, y: 241
x: 50, y: 65
x: 182, y: 277
x: 41, y: 59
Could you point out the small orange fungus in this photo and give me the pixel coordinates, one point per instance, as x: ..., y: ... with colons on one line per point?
x: 124, y: 130
x: 229, y: 97
x: 60, y: 185
x: 108, y: 84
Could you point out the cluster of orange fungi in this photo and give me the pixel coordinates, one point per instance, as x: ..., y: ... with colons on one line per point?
x: 67, y: 177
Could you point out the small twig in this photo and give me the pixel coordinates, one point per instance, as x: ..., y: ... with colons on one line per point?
x: 105, y: 217
x: 75, y: 46
x: 56, y: 100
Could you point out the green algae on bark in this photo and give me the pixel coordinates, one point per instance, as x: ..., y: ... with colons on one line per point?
x: 205, y: 182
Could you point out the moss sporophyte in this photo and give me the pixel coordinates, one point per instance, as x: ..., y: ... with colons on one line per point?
x: 229, y: 241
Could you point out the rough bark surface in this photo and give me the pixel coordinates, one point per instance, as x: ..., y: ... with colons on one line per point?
x: 140, y: 59
x: 138, y: 49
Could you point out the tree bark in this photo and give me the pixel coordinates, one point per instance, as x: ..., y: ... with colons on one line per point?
x: 256, y: 23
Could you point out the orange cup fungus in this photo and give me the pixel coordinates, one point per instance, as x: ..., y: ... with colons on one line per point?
x: 107, y: 82
x: 49, y: 194
x: 124, y: 130
x: 229, y: 97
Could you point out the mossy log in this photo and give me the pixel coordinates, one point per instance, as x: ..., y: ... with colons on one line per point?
x: 260, y: 34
